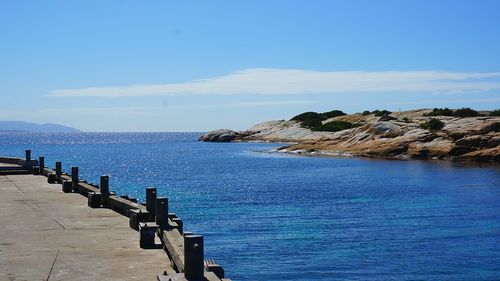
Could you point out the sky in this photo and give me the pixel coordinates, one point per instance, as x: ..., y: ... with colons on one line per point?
x: 201, y: 65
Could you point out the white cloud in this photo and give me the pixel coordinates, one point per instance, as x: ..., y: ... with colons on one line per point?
x: 265, y: 81
x: 146, y: 110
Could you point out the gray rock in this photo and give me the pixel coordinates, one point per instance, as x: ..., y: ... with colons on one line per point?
x: 222, y: 135
x: 386, y: 117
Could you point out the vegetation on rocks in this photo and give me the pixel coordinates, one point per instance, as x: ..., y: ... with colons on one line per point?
x: 440, y: 112
x: 308, y: 116
x: 313, y: 120
x: 495, y: 112
x: 317, y: 116
x: 335, y: 126
x: 495, y: 127
x: 462, y: 112
x: 377, y: 112
x: 432, y: 124
x: 333, y: 113
x: 466, y: 112
x: 311, y: 123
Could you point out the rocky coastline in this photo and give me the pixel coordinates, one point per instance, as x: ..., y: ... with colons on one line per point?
x: 398, y: 135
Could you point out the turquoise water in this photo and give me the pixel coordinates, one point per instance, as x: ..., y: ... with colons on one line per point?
x: 269, y: 216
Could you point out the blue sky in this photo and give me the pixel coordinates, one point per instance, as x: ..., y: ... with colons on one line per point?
x: 201, y: 65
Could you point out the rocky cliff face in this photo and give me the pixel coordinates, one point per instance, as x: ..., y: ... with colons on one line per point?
x: 388, y: 136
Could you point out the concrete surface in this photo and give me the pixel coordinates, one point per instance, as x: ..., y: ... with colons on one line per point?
x: 46, y: 234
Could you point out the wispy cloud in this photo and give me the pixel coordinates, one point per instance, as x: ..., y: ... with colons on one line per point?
x: 150, y: 110
x: 488, y: 101
x: 265, y: 81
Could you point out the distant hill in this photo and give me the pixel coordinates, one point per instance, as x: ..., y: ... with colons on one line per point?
x: 20, y: 126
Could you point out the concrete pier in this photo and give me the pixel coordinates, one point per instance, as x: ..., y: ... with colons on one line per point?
x: 52, y: 232
x: 50, y: 235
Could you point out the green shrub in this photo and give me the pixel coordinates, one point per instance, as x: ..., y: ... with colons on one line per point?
x: 381, y: 112
x: 377, y: 112
x: 495, y: 127
x: 440, y: 112
x: 333, y: 113
x: 318, y: 116
x: 311, y: 123
x: 406, y: 120
x: 495, y: 112
x: 313, y: 120
x: 432, y: 124
x: 335, y: 126
x: 466, y: 112
x: 462, y: 112
x: 307, y: 116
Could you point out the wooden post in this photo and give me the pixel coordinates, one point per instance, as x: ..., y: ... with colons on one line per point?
x: 94, y: 199
x: 150, y: 202
x: 193, y: 257
x: 162, y: 212
x: 28, y: 155
x: 179, y: 223
x: 147, y: 232
x: 51, y: 178
x: 41, y: 164
x: 137, y: 216
x: 104, y: 187
x: 58, y: 171
x: 67, y: 186
x: 74, y: 178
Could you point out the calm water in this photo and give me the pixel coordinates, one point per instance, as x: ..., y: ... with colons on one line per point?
x: 277, y: 217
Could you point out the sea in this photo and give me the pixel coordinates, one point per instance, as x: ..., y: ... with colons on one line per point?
x: 272, y: 216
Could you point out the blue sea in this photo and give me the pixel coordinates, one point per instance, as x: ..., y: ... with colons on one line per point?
x: 271, y: 216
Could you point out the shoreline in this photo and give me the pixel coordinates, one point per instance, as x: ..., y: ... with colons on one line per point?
x: 343, y: 154
x: 340, y: 154
x: 403, y: 135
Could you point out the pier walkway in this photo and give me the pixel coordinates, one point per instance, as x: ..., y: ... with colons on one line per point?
x: 46, y: 234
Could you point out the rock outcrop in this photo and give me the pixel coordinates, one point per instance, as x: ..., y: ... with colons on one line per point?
x: 398, y: 135
x: 225, y: 135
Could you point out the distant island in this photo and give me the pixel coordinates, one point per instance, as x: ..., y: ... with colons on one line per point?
x: 20, y: 126
x: 439, y: 133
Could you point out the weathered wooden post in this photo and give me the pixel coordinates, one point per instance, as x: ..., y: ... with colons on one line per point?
x: 104, y: 186
x: 58, y: 171
x: 94, y: 199
x: 74, y: 178
x: 147, y: 232
x: 179, y: 223
x: 67, y: 186
x: 150, y: 202
x: 161, y: 209
x: 193, y: 257
x: 41, y: 164
x: 137, y: 216
x: 51, y: 178
x: 28, y: 155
